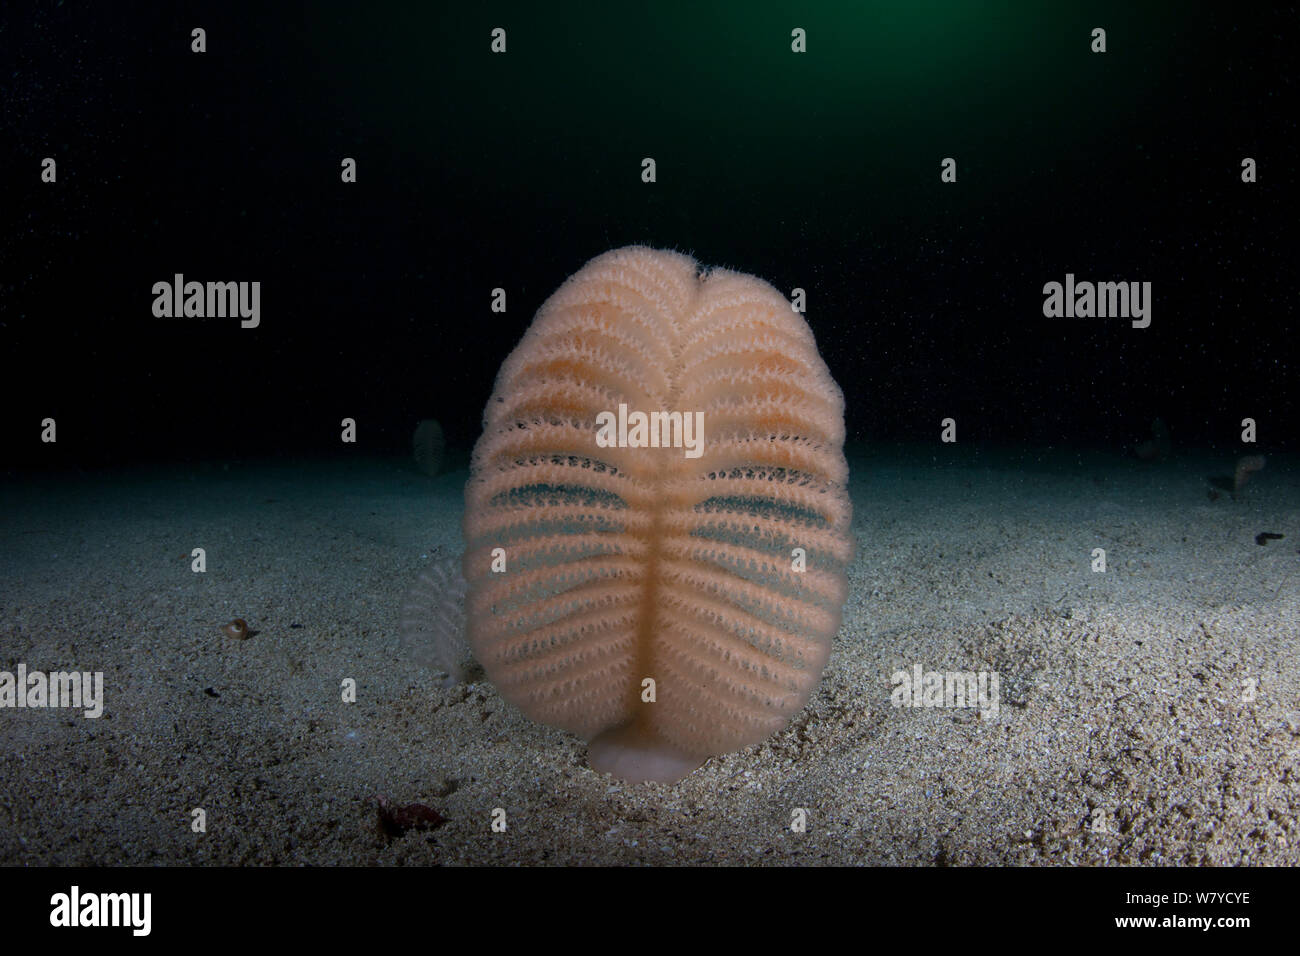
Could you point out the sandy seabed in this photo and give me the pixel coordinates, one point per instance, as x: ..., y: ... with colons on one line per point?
x: 1148, y: 715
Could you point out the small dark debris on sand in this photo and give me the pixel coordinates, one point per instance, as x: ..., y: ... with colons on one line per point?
x: 396, y: 820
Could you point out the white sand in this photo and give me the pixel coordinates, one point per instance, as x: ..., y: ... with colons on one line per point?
x: 1122, y: 734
